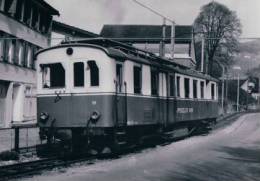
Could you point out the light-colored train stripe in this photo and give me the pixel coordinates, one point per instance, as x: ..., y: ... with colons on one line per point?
x: 120, y: 94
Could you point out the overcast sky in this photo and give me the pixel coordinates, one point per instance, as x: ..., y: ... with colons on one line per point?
x: 91, y: 15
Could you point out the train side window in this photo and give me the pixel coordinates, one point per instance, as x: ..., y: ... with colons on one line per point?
x: 79, y: 75
x: 119, y: 77
x: 213, y: 91
x: 171, y: 79
x: 154, y: 82
x: 195, y: 95
x: 186, y: 87
x: 202, y: 89
x: 94, y: 73
x: 53, y: 75
x: 178, y: 78
x: 137, y: 79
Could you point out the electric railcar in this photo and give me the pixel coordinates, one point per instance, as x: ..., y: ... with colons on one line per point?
x: 104, y: 94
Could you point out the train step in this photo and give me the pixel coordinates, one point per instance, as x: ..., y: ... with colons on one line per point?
x: 176, y: 133
x: 121, y: 143
x: 121, y: 133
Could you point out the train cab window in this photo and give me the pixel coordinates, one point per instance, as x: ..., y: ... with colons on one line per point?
x: 195, y: 94
x: 154, y: 82
x: 119, y: 77
x: 94, y: 73
x: 186, y: 87
x: 178, y: 78
x: 137, y: 79
x: 79, y: 75
x: 213, y: 91
x: 171, y: 79
x: 202, y: 90
x: 53, y: 75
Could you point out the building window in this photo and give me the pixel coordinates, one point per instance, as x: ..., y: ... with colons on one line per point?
x: 20, y: 15
x: 178, y: 88
x: 195, y: 88
x: 53, y: 75
x: 11, y: 51
x: 27, y: 12
x: 16, y: 52
x: 137, y: 79
x: 202, y: 89
x: 154, y: 83
x: 6, y: 47
x: 25, y: 54
x: 79, y: 76
x: 171, y: 79
x: 11, y: 8
x: 119, y: 77
x: 1, y: 48
x: 29, y: 57
x: 94, y: 73
x: 186, y: 87
x: 21, y: 53
x: 2, y: 5
x: 213, y: 91
x: 45, y: 22
x: 34, y: 50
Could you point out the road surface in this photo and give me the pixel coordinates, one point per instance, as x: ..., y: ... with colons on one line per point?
x: 227, y: 154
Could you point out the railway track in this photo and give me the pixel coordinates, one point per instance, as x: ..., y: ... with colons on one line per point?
x: 37, y: 166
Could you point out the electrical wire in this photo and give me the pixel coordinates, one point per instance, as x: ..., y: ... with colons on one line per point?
x: 154, y: 11
x: 128, y: 38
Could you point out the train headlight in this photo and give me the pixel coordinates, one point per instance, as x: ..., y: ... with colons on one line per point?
x: 95, y: 116
x: 44, y: 117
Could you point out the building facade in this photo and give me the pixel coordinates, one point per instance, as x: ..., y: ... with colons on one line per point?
x: 25, y: 27
x: 150, y: 37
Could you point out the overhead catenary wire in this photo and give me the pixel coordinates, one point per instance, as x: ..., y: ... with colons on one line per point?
x: 154, y: 11
x: 123, y: 38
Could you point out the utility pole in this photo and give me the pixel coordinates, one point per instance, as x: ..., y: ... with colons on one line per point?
x: 237, y: 92
x: 202, y: 54
x: 238, y: 86
x: 222, y: 88
x: 162, y: 43
x: 173, y: 39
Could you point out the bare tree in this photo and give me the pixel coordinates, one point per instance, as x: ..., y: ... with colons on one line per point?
x: 221, y: 28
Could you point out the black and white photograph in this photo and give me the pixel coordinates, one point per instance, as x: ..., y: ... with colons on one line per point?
x: 129, y: 90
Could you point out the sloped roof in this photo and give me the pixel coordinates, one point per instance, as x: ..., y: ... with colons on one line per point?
x: 146, y: 33
x: 63, y: 28
x: 45, y: 5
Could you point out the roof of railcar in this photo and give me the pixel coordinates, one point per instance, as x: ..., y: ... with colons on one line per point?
x: 127, y: 52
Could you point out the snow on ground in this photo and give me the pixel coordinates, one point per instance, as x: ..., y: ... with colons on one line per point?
x: 231, y: 153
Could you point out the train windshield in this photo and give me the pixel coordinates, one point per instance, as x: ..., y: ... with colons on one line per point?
x: 53, y: 75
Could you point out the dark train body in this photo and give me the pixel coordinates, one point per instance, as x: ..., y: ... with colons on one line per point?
x: 102, y: 93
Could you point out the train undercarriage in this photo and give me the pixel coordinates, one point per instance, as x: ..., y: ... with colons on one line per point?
x: 114, y: 140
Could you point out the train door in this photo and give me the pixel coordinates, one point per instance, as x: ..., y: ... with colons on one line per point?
x: 162, y: 98
x: 79, y: 103
x: 170, y: 98
x: 121, y: 96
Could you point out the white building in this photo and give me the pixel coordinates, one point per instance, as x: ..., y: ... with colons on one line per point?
x: 25, y: 27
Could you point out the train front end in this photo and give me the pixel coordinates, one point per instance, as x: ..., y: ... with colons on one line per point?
x: 75, y: 88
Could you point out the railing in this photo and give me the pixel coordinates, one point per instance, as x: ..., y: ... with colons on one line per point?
x: 28, y: 137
